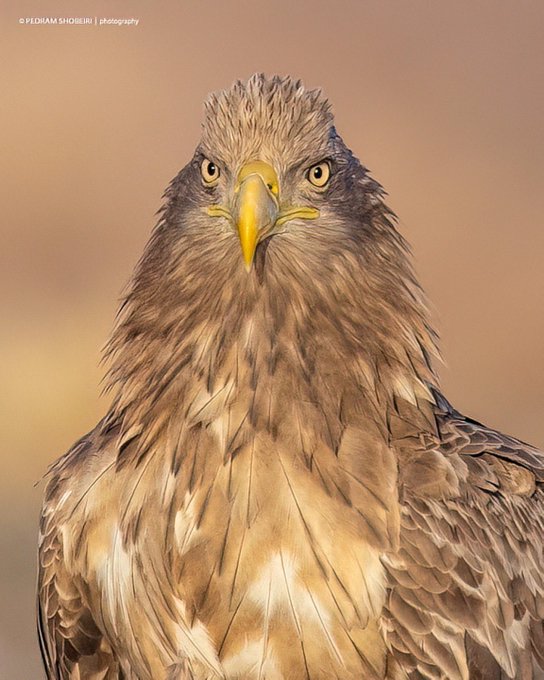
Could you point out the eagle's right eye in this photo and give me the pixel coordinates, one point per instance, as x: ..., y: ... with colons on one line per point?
x: 210, y: 171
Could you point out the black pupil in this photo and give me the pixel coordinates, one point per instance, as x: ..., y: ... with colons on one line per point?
x: 318, y: 172
x: 211, y: 169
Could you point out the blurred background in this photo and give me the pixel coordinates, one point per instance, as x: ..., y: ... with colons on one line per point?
x: 443, y: 101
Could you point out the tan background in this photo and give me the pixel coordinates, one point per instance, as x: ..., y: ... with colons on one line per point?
x: 444, y: 101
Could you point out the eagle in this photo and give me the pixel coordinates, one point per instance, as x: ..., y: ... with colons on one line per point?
x: 279, y: 489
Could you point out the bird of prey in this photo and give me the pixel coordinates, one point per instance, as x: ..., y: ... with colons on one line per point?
x: 279, y: 489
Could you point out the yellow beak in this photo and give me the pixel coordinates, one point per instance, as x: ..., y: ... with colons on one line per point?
x: 255, y: 209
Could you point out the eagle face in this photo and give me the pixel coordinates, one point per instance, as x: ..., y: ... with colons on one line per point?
x: 267, y: 181
x: 272, y: 179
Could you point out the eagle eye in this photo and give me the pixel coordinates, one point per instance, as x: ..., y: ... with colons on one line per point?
x: 319, y: 174
x: 210, y: 171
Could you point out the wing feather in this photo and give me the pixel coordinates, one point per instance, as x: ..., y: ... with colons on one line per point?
x: 71, y: 644
x: 467, y: 586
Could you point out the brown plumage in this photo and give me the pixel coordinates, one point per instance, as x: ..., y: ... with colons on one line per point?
x: 279, y: 489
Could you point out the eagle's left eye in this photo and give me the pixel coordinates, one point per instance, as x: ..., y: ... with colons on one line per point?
x: 209, y: 170
x: 319, y: 174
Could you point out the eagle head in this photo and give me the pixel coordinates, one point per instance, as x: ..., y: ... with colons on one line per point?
x: 274, y: 226
x: 272, y: 179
